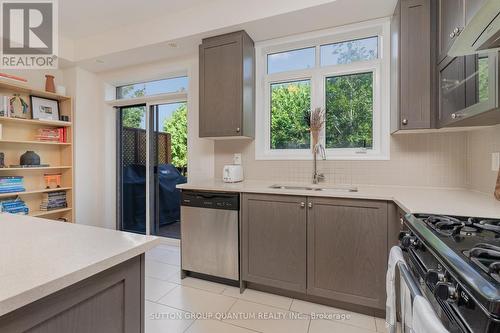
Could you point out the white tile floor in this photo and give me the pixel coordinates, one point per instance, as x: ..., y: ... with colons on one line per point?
x: 197, y: 306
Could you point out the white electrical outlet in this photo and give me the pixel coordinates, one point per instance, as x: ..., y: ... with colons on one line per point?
x: 237, y: 159
x: 495, y: 161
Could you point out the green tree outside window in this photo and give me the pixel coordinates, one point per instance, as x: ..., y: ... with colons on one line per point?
x: 176, y: 126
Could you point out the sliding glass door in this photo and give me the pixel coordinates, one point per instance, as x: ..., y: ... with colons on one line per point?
x: 152, y: 160
x: 131, y: 171
x: 169, y: 166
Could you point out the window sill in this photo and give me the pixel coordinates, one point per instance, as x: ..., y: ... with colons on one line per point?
x: 288, y: 156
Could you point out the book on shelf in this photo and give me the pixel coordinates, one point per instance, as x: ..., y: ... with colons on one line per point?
x: 18, y: 166
x: 14, y: 206
x: 54, y: 200
x: 52, y: 135
x: 11, y: 184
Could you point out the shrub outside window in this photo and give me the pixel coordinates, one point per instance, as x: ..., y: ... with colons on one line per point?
x: 349, y: 111
x: 289, y: 128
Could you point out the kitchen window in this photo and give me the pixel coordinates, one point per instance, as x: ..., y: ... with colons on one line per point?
x: 345, y: 71
x: 150, y: 88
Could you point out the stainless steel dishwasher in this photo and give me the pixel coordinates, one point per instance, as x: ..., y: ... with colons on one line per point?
x: 209, y: 233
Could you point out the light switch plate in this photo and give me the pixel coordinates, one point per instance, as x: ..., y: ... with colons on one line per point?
x: 237, y: 159
x: 495, y: 161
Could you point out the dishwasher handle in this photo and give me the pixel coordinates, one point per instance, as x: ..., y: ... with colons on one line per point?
x: 211, y: 200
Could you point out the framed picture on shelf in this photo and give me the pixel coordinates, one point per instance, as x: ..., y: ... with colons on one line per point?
x: 44, y: 108
x: 19, y: 107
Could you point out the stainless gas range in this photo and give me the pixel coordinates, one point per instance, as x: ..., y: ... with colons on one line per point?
x: 456, y: 261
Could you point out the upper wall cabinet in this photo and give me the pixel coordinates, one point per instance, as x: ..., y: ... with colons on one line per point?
x: 468, y: 85
x: 429, y: 89
x: 227, y: 86
x: 451, y: 23
x: 413, y: 54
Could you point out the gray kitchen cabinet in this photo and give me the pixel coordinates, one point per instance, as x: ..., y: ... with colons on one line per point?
x: 451, y: 18
x: 227, y: 86
x: 452, y: 90
x: 468, y: 85
x: 347, y: 250
x: 111, y: 301
x: 333, y: 250
x: 273, y: 243
x: 413, y: 77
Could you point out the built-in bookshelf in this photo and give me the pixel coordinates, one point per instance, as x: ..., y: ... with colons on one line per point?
x: 20, y: 135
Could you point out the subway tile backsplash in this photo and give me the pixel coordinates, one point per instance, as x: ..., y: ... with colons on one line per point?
x: 437, y: 159
x: 480, y: 145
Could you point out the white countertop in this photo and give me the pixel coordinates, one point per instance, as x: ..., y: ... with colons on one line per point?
x: 39, y: 257
x: 460, y: 202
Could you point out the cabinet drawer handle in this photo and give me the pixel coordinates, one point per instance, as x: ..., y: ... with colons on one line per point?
x: 452, y: 35
x: 405, y: 121
x: 310, y: 205
x: 302, y: 204
x: 237, y: 129
x: 456, y: 31
x: 456, y: 115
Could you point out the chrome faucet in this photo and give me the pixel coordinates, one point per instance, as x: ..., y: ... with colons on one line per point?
x: 318, y: 149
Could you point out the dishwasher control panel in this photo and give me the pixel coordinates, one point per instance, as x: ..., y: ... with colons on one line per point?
x: 214, y: 200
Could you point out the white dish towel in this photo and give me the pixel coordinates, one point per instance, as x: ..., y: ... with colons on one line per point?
x: 425, y: 319
x: 406, y: 307
x: 395, y: 256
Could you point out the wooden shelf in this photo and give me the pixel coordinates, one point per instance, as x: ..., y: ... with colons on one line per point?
x: 55, y: 123
x: 24, y: 88
x: 13, y: 194
x: 20, y: 135
x: 40, y: 213
x: 35, y: 142
x: 35, y: 169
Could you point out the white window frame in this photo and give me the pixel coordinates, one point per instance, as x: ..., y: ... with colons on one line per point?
x: 380, y: 68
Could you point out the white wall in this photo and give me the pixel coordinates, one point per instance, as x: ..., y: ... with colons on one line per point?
x: 91, y: 146
x: 95, y: 135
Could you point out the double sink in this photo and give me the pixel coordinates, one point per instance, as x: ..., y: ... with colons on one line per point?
x: 314, y: 188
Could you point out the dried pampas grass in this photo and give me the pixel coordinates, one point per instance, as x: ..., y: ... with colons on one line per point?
x: 316, y: 122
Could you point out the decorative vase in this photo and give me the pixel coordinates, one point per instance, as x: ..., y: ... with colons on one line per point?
x: 30, y: 158
x: 50, y: 85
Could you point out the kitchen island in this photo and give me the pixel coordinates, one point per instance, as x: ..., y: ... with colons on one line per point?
x: 62, y: 277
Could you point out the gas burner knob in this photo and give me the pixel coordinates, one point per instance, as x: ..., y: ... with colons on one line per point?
x: 434, y: 276
x: 446, y: 292
x: 408, y: 241
x: 403, y: 234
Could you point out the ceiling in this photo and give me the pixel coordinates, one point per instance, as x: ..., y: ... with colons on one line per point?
x: 331, y: 14
x: 79, y: 19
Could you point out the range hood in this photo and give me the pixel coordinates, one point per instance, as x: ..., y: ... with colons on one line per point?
x: 482, y: 32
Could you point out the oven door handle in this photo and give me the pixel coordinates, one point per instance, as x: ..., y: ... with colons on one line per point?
x: 409, y: 281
